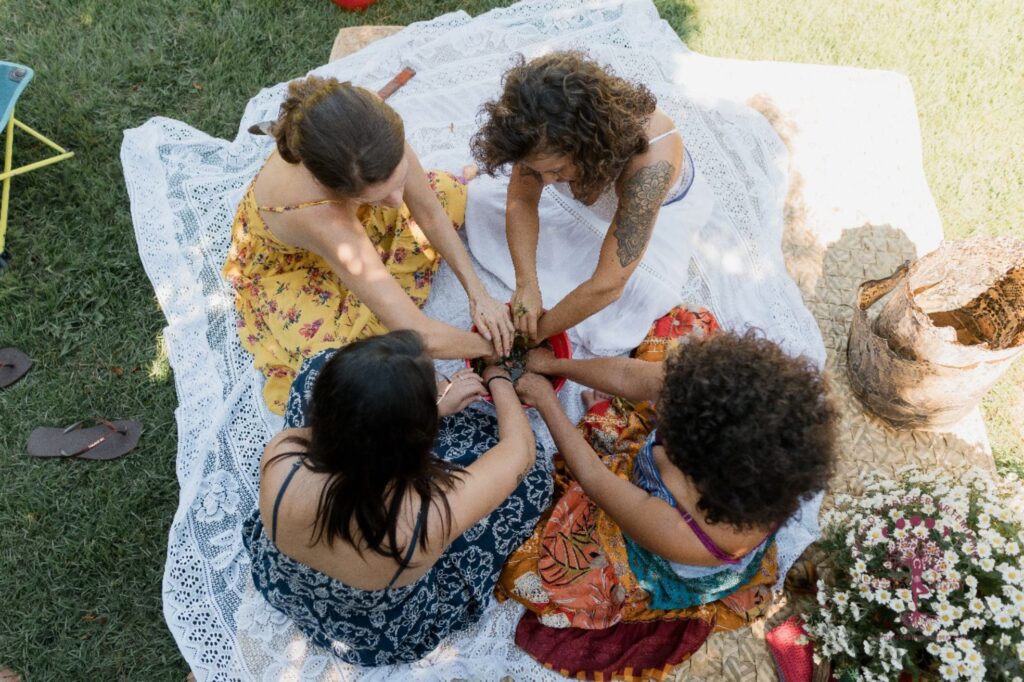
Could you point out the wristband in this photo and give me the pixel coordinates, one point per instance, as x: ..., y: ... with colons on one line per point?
x: 498, y: 376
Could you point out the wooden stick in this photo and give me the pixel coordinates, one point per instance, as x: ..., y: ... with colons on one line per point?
x: 395, y: 83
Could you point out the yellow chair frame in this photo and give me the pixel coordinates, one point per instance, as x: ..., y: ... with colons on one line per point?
x: 9, y: 172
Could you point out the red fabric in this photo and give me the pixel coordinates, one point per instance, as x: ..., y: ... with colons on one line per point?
x: 356, y: 5
x: 628, y: 650
x: 794, y: 661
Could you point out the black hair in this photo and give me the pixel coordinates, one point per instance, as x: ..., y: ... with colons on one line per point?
x: 751, y: 426
x: 373, y: 420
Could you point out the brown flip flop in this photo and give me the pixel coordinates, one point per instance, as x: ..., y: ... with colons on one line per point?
x: 13, y: 365
x: 104, y: 441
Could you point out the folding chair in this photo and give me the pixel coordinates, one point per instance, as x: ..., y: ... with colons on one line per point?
x: 13, y: 79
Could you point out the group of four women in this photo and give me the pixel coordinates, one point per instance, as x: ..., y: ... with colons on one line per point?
x: 386, y: 508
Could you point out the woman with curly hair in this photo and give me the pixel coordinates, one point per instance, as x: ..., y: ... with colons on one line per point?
x: 600, y: 182
x: 739, y: 437
x: 338, y: 237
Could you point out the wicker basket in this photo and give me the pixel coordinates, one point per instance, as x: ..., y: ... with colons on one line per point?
x: 954, y: 324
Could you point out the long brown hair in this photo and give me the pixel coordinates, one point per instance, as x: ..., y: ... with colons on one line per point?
x: 566, y: 103
x: 345, y: 135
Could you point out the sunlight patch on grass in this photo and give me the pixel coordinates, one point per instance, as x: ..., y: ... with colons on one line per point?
x: 160, y: 367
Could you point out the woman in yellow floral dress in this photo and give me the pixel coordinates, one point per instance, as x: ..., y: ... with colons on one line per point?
x: 339, y: 235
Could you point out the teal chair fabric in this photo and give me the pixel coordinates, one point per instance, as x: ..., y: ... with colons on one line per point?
x: 13, y: 79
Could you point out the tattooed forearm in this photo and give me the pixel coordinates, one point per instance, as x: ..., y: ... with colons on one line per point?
x: 641, y: 198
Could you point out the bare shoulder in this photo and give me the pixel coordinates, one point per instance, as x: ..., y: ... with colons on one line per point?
x: 285, y: 442
x: 669, y: 148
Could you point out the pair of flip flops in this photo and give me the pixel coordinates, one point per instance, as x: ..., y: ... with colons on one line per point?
x: 103, y: 441
x: 14, y: 365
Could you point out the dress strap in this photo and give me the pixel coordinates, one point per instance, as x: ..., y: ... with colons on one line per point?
x: 277, y: 502
x: 705, y: 539
x: 295, y: 207
x: 412, y: 542
x: 656, y: 138
x: 647, y: 474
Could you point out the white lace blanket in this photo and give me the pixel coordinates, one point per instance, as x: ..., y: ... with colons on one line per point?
x: 184, y: 187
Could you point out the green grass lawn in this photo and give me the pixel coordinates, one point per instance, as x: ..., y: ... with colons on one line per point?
x: 82, y: 544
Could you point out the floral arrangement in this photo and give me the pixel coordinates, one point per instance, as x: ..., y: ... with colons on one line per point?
x: 927, y: 580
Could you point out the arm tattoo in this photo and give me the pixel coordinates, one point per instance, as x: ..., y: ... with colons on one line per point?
x: 641, y: 199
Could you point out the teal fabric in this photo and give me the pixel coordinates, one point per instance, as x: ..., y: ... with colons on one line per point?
x: 670, y: 591
x: 13, y: 79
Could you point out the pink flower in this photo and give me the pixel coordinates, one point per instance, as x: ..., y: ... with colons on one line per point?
x: 308, y: 331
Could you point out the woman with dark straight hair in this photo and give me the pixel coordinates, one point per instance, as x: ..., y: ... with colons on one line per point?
x: 338, y: 237
x: 385, y: 511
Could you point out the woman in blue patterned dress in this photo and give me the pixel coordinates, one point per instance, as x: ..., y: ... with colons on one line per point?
x: 385, y: 513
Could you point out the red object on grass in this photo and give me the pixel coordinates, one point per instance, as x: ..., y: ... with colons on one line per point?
x: 794, y: 660
x: 354, y: 5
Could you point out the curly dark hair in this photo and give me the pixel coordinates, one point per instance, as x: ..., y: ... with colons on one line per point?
x: 565, y: 103
x: 751, y: 426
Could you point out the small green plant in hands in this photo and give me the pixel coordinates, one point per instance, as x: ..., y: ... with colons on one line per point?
x: 514, y: 362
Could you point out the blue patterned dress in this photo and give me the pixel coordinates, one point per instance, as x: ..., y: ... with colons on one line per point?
x: 401, y: 624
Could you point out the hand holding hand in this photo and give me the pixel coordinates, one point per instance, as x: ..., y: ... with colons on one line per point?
x: 465, y: 387
x: 494, y: 322
x: 539, y: 360
x: 534, y: 389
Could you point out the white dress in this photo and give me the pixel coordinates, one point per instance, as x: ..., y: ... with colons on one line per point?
x: 569, y: 244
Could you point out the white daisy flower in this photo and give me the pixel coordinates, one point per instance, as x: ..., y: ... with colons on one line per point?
x: 949, y: 654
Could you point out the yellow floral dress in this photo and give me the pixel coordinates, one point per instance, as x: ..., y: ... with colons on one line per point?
x: 291, y: 304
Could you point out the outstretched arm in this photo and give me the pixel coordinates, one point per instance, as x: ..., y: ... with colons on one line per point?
x: 642, y: 193
x: 488, y: 481
x: 652, y: 523
x: 491, y: 316
x: 623, y: 377
x: 522, y: 227
x: 348, y: 251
